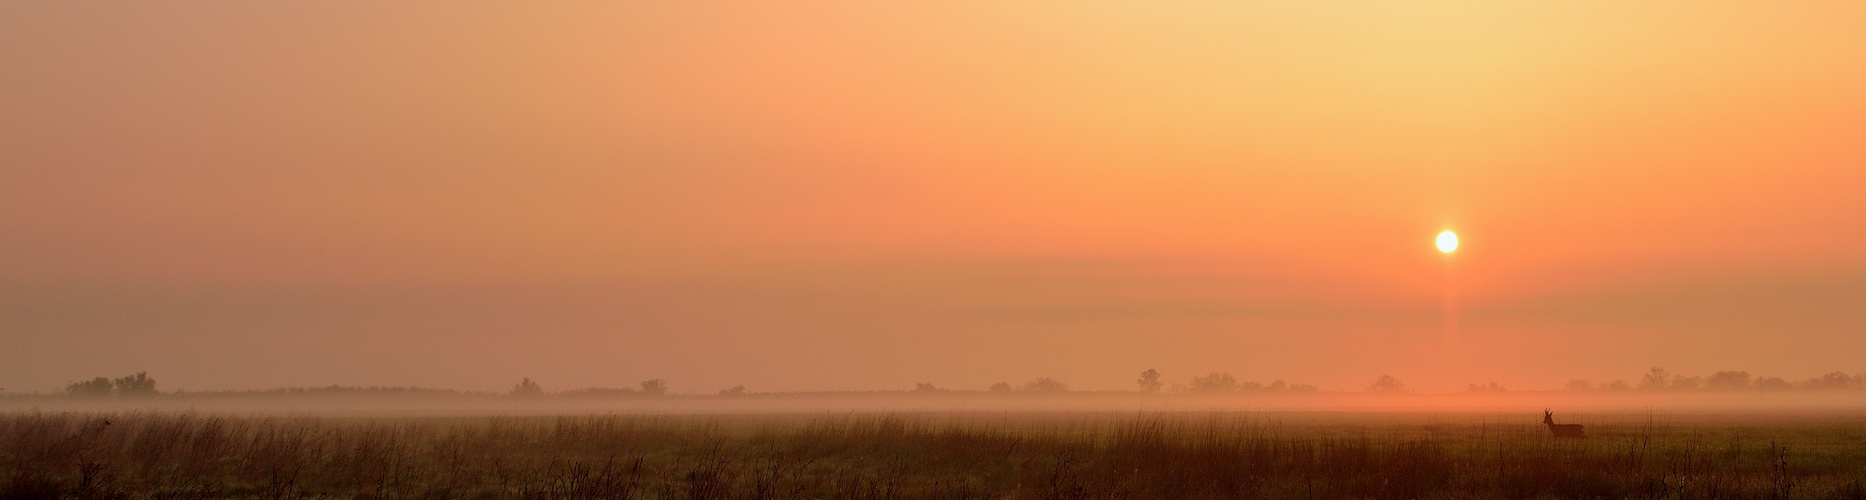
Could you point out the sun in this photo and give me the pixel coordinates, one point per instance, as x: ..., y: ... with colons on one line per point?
x: 1447, y: 241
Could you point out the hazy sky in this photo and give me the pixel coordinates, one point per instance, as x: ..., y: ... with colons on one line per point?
x: 866, y: 195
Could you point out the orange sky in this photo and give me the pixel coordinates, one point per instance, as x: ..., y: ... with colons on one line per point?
x: 865, y: 195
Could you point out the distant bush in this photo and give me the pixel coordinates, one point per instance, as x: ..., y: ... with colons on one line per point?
x: 1045, y: 384
x: 135, y: 385
x: 1728, y: 381
x: 599, y: 392
x: 1739, y: 380
x: 1386, y: 384
x: 737, y: 390
x: 1213, y: 383
x: 527, y: 388
x: 1490, y: 389
x: 1279, y: 386
x: 97, y: 387
x: 138, y: 384
x: 925, y: 387
x: 1149, y: 381
x: 1833, y: 381
x: 655, y: 387
x: 1001, y: 387
x: 1579, y: 385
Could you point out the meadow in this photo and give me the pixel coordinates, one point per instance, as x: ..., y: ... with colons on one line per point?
x: 929, y: 455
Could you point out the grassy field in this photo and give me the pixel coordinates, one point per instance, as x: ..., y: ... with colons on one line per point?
x: 959, y: 455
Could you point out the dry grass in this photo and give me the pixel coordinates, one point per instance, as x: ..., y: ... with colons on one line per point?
x: 908, y: 456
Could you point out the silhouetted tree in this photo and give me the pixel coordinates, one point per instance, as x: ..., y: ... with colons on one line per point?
x: 1683, y: 383
x: 1728, y: 381
x: 925, y: 387
x: 96, y: 387
x: 1001, y: 387
x: 1617, y: 385
x: 1149, y: 381
x: 1277, y: 385
x: 1386, y: 384
x: 737, y: 390
x: 654, y: 387
x: 1045, y: 384
x: 1580, y: 385
x: 527, y: 388
x: 1213, y: 383
x: 1655, y: 380
x: 1772, y: 384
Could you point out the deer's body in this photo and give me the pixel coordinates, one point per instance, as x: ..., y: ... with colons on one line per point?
x: 1562, y: 430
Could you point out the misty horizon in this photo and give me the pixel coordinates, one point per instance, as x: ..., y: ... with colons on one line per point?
x: 948, y: 249
x: 850, y: 196
x: 1656, y: 380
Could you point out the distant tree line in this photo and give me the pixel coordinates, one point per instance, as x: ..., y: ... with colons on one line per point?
x: 1041, y: 384
x: 1660, y: 380
x: 1149, y: 381
x: 526, y: 388
x: 1221, y: 383
x: 141, y: 384
x: 138, y: 384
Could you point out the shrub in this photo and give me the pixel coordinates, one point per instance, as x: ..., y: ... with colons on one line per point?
x: 1492, y: 388
x: 1728, y: 381
x: 135, y: 385
x: 1214, y: 383
x: 1833, y: 381
x: 1387, y: 384
x: 96, y: 387
x: 527, y: 388
x: 1045, y: 384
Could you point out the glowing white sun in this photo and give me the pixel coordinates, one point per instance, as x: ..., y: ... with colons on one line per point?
x: 1447, y: 241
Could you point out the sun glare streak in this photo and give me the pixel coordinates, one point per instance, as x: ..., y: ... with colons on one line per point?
x: 1447, y: 242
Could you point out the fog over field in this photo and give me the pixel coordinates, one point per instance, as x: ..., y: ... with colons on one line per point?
x: 860, y: 196
x: 932, y: 249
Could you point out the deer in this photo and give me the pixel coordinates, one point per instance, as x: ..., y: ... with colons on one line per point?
x: 1562, y: 430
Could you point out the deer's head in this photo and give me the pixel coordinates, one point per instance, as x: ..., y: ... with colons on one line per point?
x: 1548, y: 417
